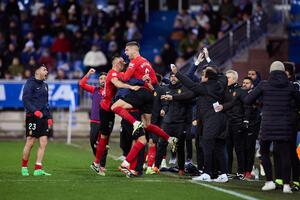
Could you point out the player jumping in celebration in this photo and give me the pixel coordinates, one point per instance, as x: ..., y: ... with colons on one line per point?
x: 107, y: 117
x: 142, y: 99
x: 38, y: 119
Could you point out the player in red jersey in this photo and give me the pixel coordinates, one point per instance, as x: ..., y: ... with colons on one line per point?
x: 107, y: 117
x: 142, y: 99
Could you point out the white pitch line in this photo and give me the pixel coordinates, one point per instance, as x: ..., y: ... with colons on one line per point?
x: 237, y: 194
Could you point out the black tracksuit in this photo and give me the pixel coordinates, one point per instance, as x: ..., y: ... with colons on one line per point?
x: 214, y: 123
x: 174, y: 123
x: 234, y: 109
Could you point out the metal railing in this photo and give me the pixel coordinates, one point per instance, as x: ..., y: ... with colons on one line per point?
x: 234, y: 41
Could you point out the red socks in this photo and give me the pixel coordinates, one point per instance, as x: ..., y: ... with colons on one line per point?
x: 151, y: 155
x: 124, y: 114
x: 133, y: 164
x: 101, y: 147
x: 134, y: 151
x: 157, y: 131
x: 37, y: 166
x: 24, y: 163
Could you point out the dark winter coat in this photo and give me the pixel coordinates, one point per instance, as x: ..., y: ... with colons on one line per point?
x: 277, y: 95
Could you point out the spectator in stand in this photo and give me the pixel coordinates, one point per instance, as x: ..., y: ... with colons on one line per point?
x: 189, y: 45
x: 28, y: 52
x: 227, y: 9
x: 61, y: 75
x: 47, y: 60
x: 2, y: 69
x: 180, y: 61
x: 112, y: 49
x: 132, y: 33
x: 185, y: 17
x: 202, y: 18
x: 10, y: 54
x: 61, y: 47
x: 35, y: 7
x: 159, y: 66
x: 244, y: 9
x: 225, y: 27
x: 41, y: 23
x: 168, y: 54
x: 2, y: 43
x: 16, y: 69
x: 12, y: 10
x: 30, y: 65
x: 178, y: 30
x: 58, y: 20
x: 96, y: 59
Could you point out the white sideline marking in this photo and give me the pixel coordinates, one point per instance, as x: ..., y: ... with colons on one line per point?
x: 237, y: 194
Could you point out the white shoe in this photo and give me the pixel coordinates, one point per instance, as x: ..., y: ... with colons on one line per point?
x: 163, y: 163
x: 287, y: 189
x: 121, y: 158
x: 172, y: 161
x: 269, y: 185
x: 136, y: 126
x: 221, y: 178
x: 173, y: 143
x: 101, y: 171
x: 203, y: 177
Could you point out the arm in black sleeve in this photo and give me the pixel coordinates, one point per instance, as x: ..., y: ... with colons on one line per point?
x: 185, y: 95
x: 254, y: 94
x: 27, y: 97
x: 197, y: 88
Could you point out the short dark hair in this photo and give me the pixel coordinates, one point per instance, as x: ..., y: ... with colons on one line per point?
x: 133, y: 43
x: 102, y: 74
x: 248, y: 78
x: 211, y: 74
x: 289, y: 67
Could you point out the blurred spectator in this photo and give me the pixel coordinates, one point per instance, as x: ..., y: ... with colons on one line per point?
x: 80, y: 45
x: 159, y: 66
x: 41, y: 23
x: 9, y: 54
x: 225, y: 27
x: 178, y: 30
x: 16, y: 69
x: 2, y: 69
x: 58, y: 19
x: 2, y: 43
x: 185, y: 18
x: 60, y: 75
x: 28, y: 52
x: 12, y: 10
x: 168, y: 54
x: 132, y: 33
x: 112, y: 50
x: 202, y: 18
x: 95, y: 58
x: 47, y: 60
x: 36, y: 6
x: 227, y: 9
x: 180, y: 61
x: 189, y: 45
x: 244, y: 9
x: 61, y: 47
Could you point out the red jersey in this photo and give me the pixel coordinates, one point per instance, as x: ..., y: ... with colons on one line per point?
x: 110, y: 90
x: 138, y: 68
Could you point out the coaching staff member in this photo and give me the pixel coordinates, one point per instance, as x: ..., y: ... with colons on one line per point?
x: 38, y: 119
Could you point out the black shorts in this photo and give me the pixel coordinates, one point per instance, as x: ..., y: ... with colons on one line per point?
x: 141, y: 99
x: 36, y: 127
x: 107, y: 119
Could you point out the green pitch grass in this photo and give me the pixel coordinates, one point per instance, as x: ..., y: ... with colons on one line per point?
x: 72, y: 179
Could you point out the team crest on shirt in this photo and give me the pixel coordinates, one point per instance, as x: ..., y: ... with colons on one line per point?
x: 179, y: 91
x: 155, y: 94
x: 114, y: 74
x: 131, y: 65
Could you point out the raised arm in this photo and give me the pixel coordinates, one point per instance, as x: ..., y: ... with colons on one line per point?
x: 83, y: 82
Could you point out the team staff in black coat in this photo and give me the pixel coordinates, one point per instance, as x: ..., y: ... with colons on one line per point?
x: 210, y: 90
x: 252, y: 125
x: 174, y: 122
x: 277, y: 122
x: 234, y: 109
x: 38, y: 119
